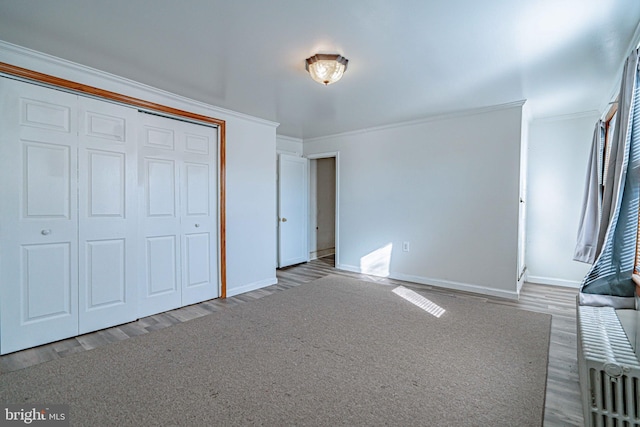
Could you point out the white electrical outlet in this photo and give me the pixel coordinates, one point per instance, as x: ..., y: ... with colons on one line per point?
x: 405, y: 246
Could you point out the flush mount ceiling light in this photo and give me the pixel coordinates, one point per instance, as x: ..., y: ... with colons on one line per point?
x: 326, y: 69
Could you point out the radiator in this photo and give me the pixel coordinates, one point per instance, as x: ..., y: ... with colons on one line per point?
x: 608, y: 368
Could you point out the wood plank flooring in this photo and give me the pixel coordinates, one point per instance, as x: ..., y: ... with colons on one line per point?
x: 563, y: 404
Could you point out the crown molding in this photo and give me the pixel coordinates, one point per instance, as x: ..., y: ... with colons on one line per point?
x: 44, y: 63
x: 571, y: 116
x: 289, y: 138
x: 438, y: 117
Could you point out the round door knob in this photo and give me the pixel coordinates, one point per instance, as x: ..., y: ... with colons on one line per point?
x: 284, y: 219
x: 197, y: 225
x: 45, y: 232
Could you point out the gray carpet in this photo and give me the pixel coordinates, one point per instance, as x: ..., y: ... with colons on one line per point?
x: 335, y: 351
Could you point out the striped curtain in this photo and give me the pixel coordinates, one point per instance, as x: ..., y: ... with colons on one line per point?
x: 608, y: 282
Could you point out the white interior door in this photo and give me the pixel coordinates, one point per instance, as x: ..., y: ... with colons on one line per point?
x: 292, y: 210
x: 177, y: 169
x: 107, y: 214
x: 38, y: 214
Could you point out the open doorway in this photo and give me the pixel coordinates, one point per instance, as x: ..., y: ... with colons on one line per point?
x: 323, y: 197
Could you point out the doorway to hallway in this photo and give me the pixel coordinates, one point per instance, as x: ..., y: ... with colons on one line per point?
x: 323, y: 209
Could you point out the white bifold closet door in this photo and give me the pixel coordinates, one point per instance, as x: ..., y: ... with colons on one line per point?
x: 106, y: 214
x: 68, y: 215
x: 107, y: 207
x: 38, y: 215
x: 178, y: 213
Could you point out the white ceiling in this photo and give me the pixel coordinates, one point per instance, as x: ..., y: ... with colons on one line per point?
x: 408, y: 59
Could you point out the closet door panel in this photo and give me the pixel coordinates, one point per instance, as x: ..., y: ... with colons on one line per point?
x: 38, y: 215
x: 199, y: 212
x: 106, y: 283
x: 197, y: 260
x: 162, y: 277
x: 47, y: 179
x: 106, y: 190
x: 160, y: 185
x: 159, y: 221
x: 108, y: 210
x: 45, y: 282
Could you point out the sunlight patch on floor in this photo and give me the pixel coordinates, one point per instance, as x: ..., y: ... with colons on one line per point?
x: 377, y: 262
x: 422, y: 302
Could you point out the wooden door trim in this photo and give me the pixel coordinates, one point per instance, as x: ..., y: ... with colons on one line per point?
x: 80, y: 88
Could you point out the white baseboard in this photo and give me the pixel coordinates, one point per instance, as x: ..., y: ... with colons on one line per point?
x: 447, y: 284
x: 321, y: 253
x: 554, y: 281
x: 458, y: 286
x: 251, y: 286
x: 350, y: 268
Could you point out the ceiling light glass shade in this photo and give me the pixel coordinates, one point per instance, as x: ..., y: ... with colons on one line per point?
x: 326, y: 69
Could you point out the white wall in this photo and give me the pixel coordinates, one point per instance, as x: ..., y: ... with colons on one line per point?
x: 449, y: 186
x: 558, y: 155
x: 251, y: 166
x: 251, y: 206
